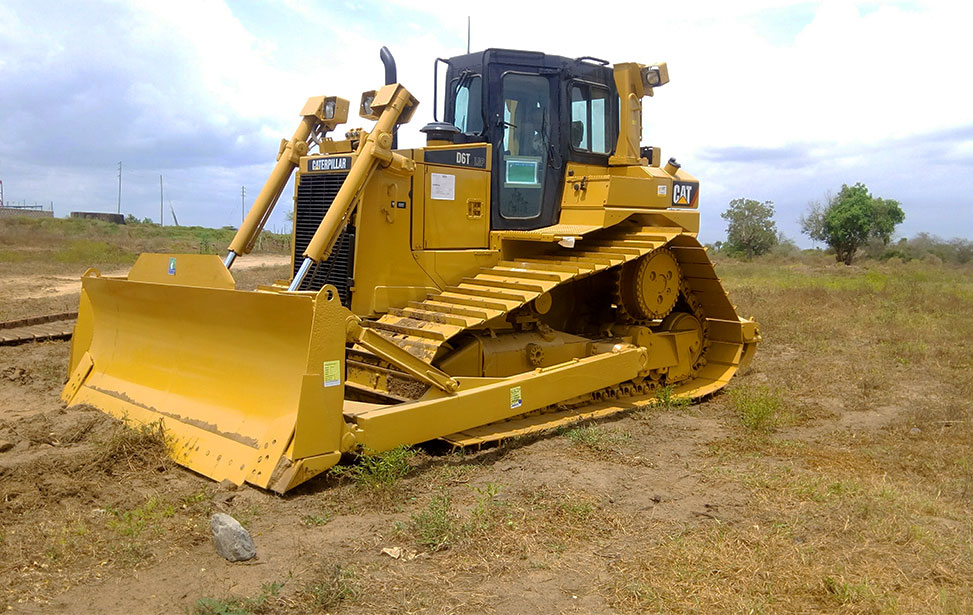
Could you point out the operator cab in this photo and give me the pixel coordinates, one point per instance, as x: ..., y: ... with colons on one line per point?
x: 539, y: 112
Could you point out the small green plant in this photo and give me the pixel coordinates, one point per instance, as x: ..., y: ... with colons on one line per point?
x: 239, y: 606
x: 437, y: 526
x: 322, y: 519
x: 337, y: 586
x: 588, y: 435
x: 576, y: 510
x: 379, y: 470
x: 595, y: 437
x: 666, y: 398
x: 486, y: 510
x: 758, y: 408
x: 226, y: 606
x: 845, y: 593
x: 133, y: 522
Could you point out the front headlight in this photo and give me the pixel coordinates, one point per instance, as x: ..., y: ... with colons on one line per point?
x: 655, y: 75
x: 329, y: 110
x: 651, y: 77
x: 367, y: 98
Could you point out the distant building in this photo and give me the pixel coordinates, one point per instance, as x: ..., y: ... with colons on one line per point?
x: 32, y: 211
x: 97, y: 215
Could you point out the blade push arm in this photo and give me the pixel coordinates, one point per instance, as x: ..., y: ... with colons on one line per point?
x: 320, y: 114
x: 395, y: 105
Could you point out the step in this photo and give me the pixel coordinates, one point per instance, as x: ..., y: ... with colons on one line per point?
x: 444, y: 308
x: 432, y: 316
x: 498, y: 281
x: 471, y: 301
x: 406, y: 328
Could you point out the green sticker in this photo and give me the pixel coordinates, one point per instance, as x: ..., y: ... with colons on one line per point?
x: 332, y: 373
x: 172, y: 265
x: 515, y: 400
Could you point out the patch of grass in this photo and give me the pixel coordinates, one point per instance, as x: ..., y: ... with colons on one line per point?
x: 437, y: 526
x: 595, y: 437
x: 757, y: 407
x: 257, y: 605
x: 225, y: 606
x: 378, y: 470
x: 487, y: 510
x: 131, y: 523
x: 89, y: 251
x: 317, y: 520
x: 666, y: 398
x: 845, y: 593
x: 132, y: 447
x: 337, y: 585
x: 75, y: 240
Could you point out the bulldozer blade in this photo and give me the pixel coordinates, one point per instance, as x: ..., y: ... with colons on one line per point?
x: 247, y: 385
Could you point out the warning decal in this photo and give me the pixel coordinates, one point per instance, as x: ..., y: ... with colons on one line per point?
x: 515, y: 400
x: 332, y: 373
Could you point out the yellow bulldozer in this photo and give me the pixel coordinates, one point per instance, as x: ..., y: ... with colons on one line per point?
x: 533, y: 265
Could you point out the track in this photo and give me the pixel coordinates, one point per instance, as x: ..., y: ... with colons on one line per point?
x: 37, y: 328
x: 731, y: 343
x: 425, y: 327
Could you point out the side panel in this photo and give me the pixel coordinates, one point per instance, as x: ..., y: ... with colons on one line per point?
x: 386, y: 274
x: 456, y: 208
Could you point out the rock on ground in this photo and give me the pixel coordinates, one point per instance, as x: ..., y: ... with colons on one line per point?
x: 232, y: 541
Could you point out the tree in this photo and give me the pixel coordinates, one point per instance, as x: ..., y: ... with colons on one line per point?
x: 851, y: 219
x: 750, y: 228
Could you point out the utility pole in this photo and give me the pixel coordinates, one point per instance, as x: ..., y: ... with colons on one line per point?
x: 243, y: 202
x: 119, y: 187
x: 162, y: 212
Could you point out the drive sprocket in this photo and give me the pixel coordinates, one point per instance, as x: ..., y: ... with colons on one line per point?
x: 649, y: 287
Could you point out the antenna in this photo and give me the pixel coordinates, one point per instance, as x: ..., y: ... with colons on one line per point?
x: 243, y: 198
x: 467, y: 34
x: 119, y: 187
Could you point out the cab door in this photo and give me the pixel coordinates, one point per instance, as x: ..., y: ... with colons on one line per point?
x: 525, y: 132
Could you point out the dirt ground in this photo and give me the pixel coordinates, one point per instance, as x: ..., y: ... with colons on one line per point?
x: 836, y: 475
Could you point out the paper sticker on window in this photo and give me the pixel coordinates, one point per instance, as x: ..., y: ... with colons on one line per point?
x: 515, y: 400
x: 332, y: 373
x: 442, y: 187
x: 172, y: 265
x: 522, y: 172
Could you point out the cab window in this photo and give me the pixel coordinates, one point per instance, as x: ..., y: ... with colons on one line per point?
x: 589, y: 118
x: 467, y: 108
x: 525, y: 144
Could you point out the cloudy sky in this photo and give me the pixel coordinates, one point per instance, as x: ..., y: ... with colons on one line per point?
x: 770, y: 100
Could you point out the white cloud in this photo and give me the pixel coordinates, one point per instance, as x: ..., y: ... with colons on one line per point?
x: 768, y: 99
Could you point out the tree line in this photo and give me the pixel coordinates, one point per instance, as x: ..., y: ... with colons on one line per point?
x: 851, y: 222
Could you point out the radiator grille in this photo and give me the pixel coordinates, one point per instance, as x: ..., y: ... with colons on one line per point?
x: 315, y: 194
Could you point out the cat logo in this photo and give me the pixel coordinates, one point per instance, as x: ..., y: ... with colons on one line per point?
x: 338, y: 163
x: 684, y: 193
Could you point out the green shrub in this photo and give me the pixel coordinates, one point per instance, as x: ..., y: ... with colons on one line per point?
x: 437, y: 526
x: 758, y: 408
x: 379, y: 470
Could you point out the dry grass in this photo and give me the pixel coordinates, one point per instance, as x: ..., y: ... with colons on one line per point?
x: 839, y: 480
x: 83, y: 507
x: 66, y: 241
